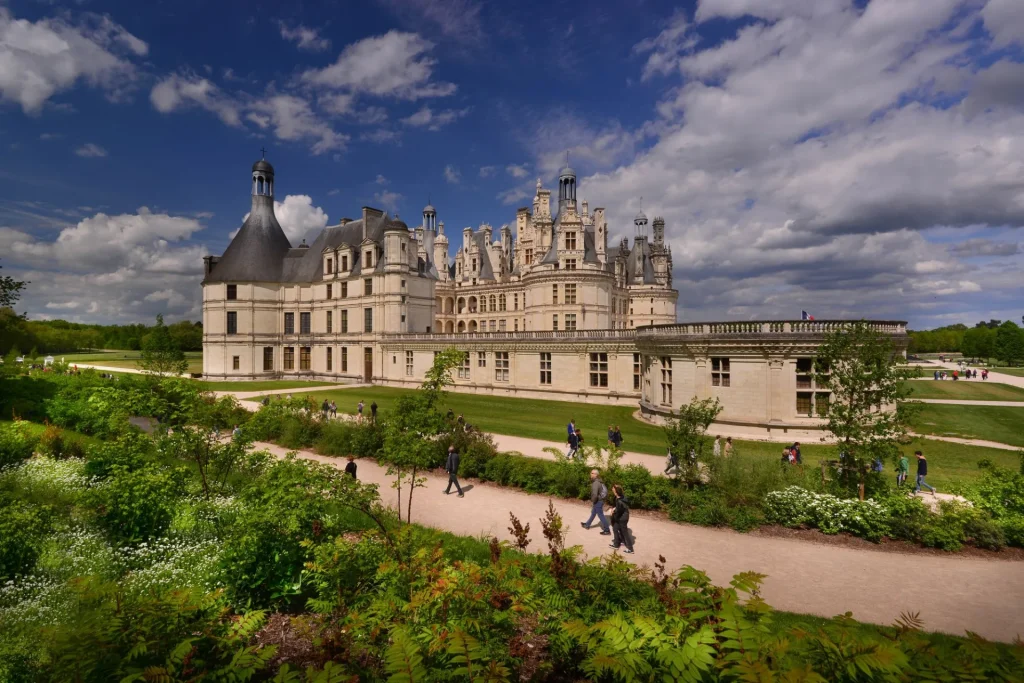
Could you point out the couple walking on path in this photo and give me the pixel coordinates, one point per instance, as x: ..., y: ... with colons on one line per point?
x: 620, y: 516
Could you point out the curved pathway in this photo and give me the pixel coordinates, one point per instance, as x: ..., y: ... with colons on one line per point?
x: 953, y: 594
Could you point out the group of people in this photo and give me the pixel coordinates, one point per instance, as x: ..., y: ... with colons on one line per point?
x: 791, y: 455
x: 903, y: 469
x: 359, y: 412
x: 618, y: 528
x: 966, y: 374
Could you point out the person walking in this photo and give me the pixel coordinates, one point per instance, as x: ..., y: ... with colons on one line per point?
x: 617, y: 437
x: 451, y: 466
x: 716, y: 448
x: 902, y: 469
x: 922, y: 472
x: 795, y: 449
x: 598, y: 494
x: 325, y: 409
x: 334, y: 409
x: 620, y: 522
x: 573, y: 441
x: 611, y: 435
x: 350, y: 468
x: 359, y: 412
x: 373, y: 412
x: 728, y: 446
x: 570, y: 428
x: 671, y: 462
x: 235, y: 433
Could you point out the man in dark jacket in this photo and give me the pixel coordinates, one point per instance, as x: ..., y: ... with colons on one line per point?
x: 373, y: 412
x: 620, y: 522
x: 350, y: 468
x: 451, y: 466
x: 598, y: 492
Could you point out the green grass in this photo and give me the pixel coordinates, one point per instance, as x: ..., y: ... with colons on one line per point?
x: 36, y: 429
x: 966, y: 390
x: 1016, y: 372
x: 124, y: 359
x: 269, y: 385
x: 991, y: 423
x: 546, y: 420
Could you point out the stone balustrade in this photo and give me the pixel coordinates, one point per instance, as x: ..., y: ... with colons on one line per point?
x: 767, y: 327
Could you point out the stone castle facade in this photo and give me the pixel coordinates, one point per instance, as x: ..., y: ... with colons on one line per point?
x: 544, y: 310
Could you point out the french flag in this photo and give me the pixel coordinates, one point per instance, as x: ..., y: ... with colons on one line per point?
x: 804, y: 316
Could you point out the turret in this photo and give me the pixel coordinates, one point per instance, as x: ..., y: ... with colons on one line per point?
x: 659, y: 230
x: 566, y: 187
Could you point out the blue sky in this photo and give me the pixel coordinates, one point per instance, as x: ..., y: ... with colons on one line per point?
x: 845, y: 158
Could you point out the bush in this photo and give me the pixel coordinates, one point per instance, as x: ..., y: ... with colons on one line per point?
x: 909, y: 517
x: 958, y: 523
x: 796, y: 506
x: 136, y: 505
x: 701, y: 506
x: 54, y: 443
x: 129, y: 452
x: 23, y: 529
x: 1013, y: 530
x: 16, y: 443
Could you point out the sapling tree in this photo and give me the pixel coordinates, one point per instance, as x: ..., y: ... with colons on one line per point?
x: 687, y: 436
x: 161, y: 354
x: 867, y: 410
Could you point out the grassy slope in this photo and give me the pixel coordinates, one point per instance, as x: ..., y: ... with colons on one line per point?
x: 966, y: 390
x: 125, y: 359
x: 547, y: 419
x: 992, y: 423
x: 1019, y: 372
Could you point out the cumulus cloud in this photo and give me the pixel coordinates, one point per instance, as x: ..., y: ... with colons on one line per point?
x: 305, y: 38
x: 39, y: 59
x: 298, y: 217
x: 487, y: 171
x: 431, y: 120
x: 517, y: 170
x: 388, y: 200
x: 381, y: 180
x: 181, y: 91
x: 90, y: 149
x: 292, y: 118
x: 452, y: 175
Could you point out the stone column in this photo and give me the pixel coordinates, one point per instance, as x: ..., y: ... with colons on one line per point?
x: 776, y: 394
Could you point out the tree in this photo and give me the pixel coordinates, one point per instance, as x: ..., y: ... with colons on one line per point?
x: 10, y: 290
x: 979, y: 342
x: 412, y: 430
x: 687, y: 434
x: 867, y: 414
x: 1009, y: 343
x: 160, y: 354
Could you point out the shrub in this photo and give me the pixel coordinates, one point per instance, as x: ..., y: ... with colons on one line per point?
x: 16, y: 443
x: 908, y: 516
x: 701, y: 506
x: 796, y: 506
x: 298, y: 431
x: 23, y: 529
x: 129, y: 452
x: 982, y: 532
x: 136, y: 505
x: 1013, y: 530
x: 958, y: 523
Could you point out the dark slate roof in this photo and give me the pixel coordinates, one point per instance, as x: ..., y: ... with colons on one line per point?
x: 486, y: 269
x: 263, y: 165
x: 257, y: 252
x: 639, y: 264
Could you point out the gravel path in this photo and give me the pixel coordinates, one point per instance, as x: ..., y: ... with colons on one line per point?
x: 953, y: 594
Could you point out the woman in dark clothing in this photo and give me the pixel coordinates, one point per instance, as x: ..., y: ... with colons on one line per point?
x: 620, y: 522
x: 350, y: 468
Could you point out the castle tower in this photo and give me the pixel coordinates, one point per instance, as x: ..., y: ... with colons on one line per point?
x: 659, y: 230
x: 429, y: 234
x: 566, y: 187
x: 441, y: 253
x: 640, y: 224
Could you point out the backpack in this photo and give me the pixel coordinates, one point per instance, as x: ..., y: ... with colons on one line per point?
x: 602, y: 493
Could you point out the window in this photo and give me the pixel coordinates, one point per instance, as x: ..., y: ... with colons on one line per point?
x: 481, y: 359
x: 720, y: 372
x: 570, y: 294
x: 268, y: 359
x: 232, y: 292
x: 304, y: 353
x: 304, y: 324
x: 554, y: 294
x: 344, y: 359
x: 599, y: 369
x: 570, y: 264
x: 344, y: 290
x: 529, y: 256
x: 474, y: 266
x: 492, y: 326
x: 803, y: 403
x: 637, y: 371
x: 516, y: 324
x: 545, y: 368
x: 570, y: 322
x: 666, y: 380
x: 367, y: 320
x: 463, y: 372
x: 515, y: 302
x: 501, y: 326
x: 821, y: 401
x: 289, y: 323
x: 330, y: 266
x: 344, y: 321
x: 408, y: 363
x: 403, y: 246
x: 232, y: 322
x: 570, y: 240
x: 403, y: 320
x: 330, y: 321
x: 501, y: 366
x: 804, y: 368
x: 344, y: 263
x: 367, y: 287
x: 368, y: 259
x: 501, y: 302
x: 554, y: 322
x: 330, y: 291
x: 289, y: 358
x: 330, y: 359
x: 403, y: 284
x: 235, y: 362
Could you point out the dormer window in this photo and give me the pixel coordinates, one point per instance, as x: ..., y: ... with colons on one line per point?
x: 344, y: 264
x: 330, y: 266
x: 570, y: 240
x: 368, y: 259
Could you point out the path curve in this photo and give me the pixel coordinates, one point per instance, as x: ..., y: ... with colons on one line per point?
x: 964, y: 402
x: 953, y: 594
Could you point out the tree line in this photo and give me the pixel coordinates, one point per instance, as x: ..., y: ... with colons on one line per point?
x: 61, y: 336
x: 1002, y: 340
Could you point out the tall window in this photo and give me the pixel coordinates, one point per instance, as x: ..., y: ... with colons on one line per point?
x: 554, y: 294
x: 232, y: 322
x: 570, y: 322
x: 344, y: 321
x: 719, y: 372
x: 545, y: 368
x: 666, y: 380
x: 330, y: 359
x: 235, y: 362
x: 344, y: 359
x: 464, y: 367
x: 803, y: 403
x: 232, y: 292
x: 494, y: 303
x: 804, y: 368
x: 304, y: 323
x: 344, y: 263
x: 481, y: 359
x: 367, y: 320
x: 515, y: 302
x: 330, y: 291
x: 501, y: 366
x: 501, y: 325
x: 367, y: 287
x: 344, y: 290
x: 637, y: 371
x: 408, y: 363
x: 368, y: 259
x: 330, y: 266
x: 570, y: 240
x: 330, y: 321
x: 570, y: 293
x: 289, y: 358
x: 304, y: 353
x: 599, y: 369
x: 289, y: 323
x: 529, y: 256
x: 554, y: 322
x: 821, y: 401
x: 501, y: 302
x: 268, y: 359
x: 492, y: 325
x: 570, y: 264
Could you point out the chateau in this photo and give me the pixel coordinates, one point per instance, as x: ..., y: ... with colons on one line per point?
x: 542, y: 310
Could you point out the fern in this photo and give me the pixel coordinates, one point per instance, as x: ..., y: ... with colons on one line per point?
x: 403, y: 660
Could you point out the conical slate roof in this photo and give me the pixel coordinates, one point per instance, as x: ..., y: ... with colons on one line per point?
x: 257, y: 252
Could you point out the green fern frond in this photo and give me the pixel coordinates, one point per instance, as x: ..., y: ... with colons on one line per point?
x: 403, y: 660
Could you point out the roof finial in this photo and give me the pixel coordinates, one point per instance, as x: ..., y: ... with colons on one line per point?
x: 263, y: 152
x: 641, y: 202
x: 567, y: 158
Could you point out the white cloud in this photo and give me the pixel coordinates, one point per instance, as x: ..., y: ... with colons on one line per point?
x: 395, y: 64
x: 388, y: 200
x: 181, y: 91
x: 517, y: 170
x: 456, y: 20
x: 63, y: 306
x: 452, y: 174
x: 381, y: 180
x: 39, y: 59
x: 427, y: 118
x: 1004, y: 19
x: 381, y: 135
x: 487, y: 171
x: 90, y: 149
x: 293, y: 119
x: 298, y: 217
x: 49, y: 136
x: 305, y: 38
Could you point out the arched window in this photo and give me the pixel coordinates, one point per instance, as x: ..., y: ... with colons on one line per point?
x: 259, y: 185
x: 472, y: 326
x: 462, y: 305
x: 462, y: 326
x: 501, y: 302
x: 472, y: 304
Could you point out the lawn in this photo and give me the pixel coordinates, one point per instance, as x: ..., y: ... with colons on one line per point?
x: 124, y: 359
x: 546, y: 420
x: 1017, y: 372
x: 269, y: 385
x: 966, y: 390
x: 992, y: 423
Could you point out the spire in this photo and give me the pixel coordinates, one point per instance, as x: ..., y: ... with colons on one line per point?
x: 640, y: 222
x: 566, y: 185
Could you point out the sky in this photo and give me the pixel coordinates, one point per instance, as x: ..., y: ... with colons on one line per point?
x: 849, y: 158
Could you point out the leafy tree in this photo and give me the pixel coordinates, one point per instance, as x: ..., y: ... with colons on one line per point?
x: 160, y: 354
x: 867, y: 414
x: 979, y: 342
x: 11, y: 365
x: 10, y: 290
x: 687, y: 434
x: 1009, y: 343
